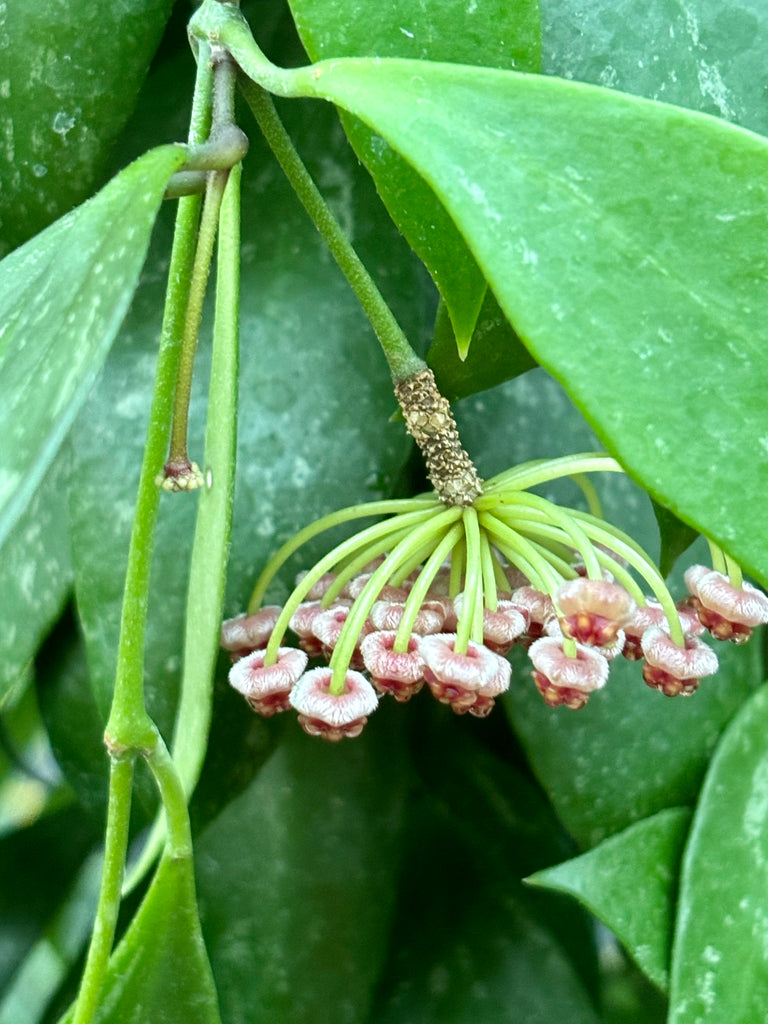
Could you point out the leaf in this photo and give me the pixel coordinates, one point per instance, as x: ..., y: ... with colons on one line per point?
x: 62, y: 299
x: 35, y: 578
x: 719, y: 960
x: 676, y: 537
x: 489, y: 32
x: 631, y: 752
x: 624, y: 240
x: 469, y: 943
x: 45, y: 967
x: 297, y: 878
x: 495, y: 355
x: 315, y: 402
x: 630, y: 883
x: 37, y: 865
x: 71, y: 72
x: 706, y: 54
x: 160, y: 970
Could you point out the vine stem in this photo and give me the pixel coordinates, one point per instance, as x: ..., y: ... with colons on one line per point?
x: 130, y: 730
x: 118, y: 815
x: 403, y: 361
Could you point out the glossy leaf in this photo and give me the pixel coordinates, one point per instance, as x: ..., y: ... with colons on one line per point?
x: 35, y: 578
x: 70, y: 75
x: 63, y: 296
x: 496, y: 353
x: 719, y: 960
x: 489, y: 32
x: 630, y: 883
x: 303, y: 447
x: 160, y: 970
x: 37, y: 865
x: 625, y: 242
x: 676, y: 537
x: 470, y: 943
x: 64, y: 939
x: 630, y: 752
x: 704, y: 54
x: 297, y: 878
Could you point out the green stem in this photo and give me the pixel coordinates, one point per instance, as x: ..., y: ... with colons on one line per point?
x: 346, y: 549
x: 429, y: 531
x: 418, y: 591
x: 344, y: 515
x: 130, y: 729
x: 403, y: 361
x: 116, y: 843
x: 473, y: 585
x: 207, y: 572
x: 173, y: 797
x: 529, y: 474
x: 178, y: 458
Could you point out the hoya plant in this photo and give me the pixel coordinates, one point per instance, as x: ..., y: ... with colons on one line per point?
x: 382, y: 512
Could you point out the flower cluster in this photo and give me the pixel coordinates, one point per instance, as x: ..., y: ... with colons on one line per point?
x: 437, y: 595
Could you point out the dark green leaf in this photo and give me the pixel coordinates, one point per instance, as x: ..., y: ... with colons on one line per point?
x: 315, y: 403
x: 37, y: 865
x: 63, y: 296
x: 630, y: 883
x: 56, y: 951
x: 719, y: 958
x: 630, y: 752
x: 469, y: 944
x: 35, y: 578
x: 705, y: 54
x: 297, y: 878
x: 676, y: 537
x: 495, y: 355
x: 625, y: 241
x: 160, y: 971
x: 70, y: 75
x: 496, y: 33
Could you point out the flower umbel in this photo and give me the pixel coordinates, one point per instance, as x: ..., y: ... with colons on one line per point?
x: 437, y: 593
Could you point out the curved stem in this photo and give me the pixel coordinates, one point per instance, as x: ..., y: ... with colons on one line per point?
x: 116, y: 844
x: 543, y: 470
x: 414, y: 541
x: 344, y: 550
x: 403, y: 361
x: 344, y: 515
x: 214, y: 193
x: 473, y: 585
x: 418, y: 591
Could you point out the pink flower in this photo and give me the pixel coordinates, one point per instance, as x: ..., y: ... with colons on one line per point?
x: 246, y: 633
x: 652, y: 614
x: 318, y: 588
x: 302, y: 621
x: 593, y: 611
x: 323, y: 714
x: 539, y: 607
x: 728, y: 612
x: 266, y: 687
x: 467, y: 682
x: 561, y: 679
x: 387, y: 615
x: 327, y: 626
x: 501, y: 628
x: 400, y: 673
x: 675, y: 671
x: 387, y: 593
